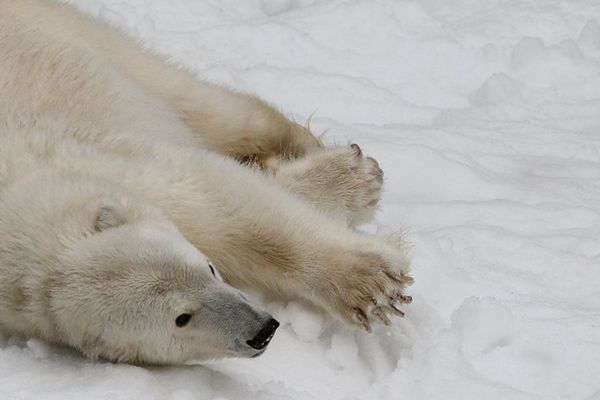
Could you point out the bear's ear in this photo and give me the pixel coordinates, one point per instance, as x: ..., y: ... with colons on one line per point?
x: 108, y: 217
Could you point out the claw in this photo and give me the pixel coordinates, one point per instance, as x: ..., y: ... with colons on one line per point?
x: 406, y: 279
x: 400, y: 278
x: 405, y: 299
x: 397, y: 296
x: 363, y: 319
x: 379, y: 313
x: 396, y: 310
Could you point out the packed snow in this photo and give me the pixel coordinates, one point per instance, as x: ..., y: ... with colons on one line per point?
x: 485, y: 116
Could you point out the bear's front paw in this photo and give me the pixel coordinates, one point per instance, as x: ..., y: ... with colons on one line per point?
x: 368, y: 287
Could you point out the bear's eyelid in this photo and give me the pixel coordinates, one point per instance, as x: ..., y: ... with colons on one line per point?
x: 212, y: 269
x: 183, y: 319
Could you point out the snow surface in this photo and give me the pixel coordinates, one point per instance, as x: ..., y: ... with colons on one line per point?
x: 485, y: 116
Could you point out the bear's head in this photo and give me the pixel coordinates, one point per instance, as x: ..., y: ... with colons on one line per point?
x: 136, y: 290
x: 114, y: 277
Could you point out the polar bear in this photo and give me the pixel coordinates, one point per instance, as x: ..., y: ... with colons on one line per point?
x: 136, y: 200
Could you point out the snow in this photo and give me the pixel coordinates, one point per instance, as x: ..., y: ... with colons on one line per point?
x: 485, y: 116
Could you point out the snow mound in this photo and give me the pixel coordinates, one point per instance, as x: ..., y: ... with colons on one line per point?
x: 498, y: 88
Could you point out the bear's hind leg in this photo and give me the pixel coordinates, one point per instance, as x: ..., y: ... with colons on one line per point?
x: 243, y: 126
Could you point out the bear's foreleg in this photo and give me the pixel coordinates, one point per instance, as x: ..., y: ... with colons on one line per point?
x: 257, y: 234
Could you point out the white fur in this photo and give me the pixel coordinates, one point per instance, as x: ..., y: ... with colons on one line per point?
x: 90, y: 122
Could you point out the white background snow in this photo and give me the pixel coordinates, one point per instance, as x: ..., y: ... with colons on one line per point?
x: 485, y: 116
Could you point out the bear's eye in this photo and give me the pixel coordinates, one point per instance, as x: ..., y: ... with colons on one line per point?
x: 183, y: 320
x: 212, y: 269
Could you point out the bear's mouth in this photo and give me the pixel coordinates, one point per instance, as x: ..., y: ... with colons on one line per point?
x: 258, y: 353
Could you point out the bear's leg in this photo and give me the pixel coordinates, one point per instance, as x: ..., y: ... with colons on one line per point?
x: 242, y: 126
x: 340, y: 181
x: 259, y: 235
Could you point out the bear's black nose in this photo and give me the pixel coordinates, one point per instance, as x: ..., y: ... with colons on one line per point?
x: 262, y: 339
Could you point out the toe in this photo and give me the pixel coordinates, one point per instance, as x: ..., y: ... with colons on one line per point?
x: 356, y: 149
